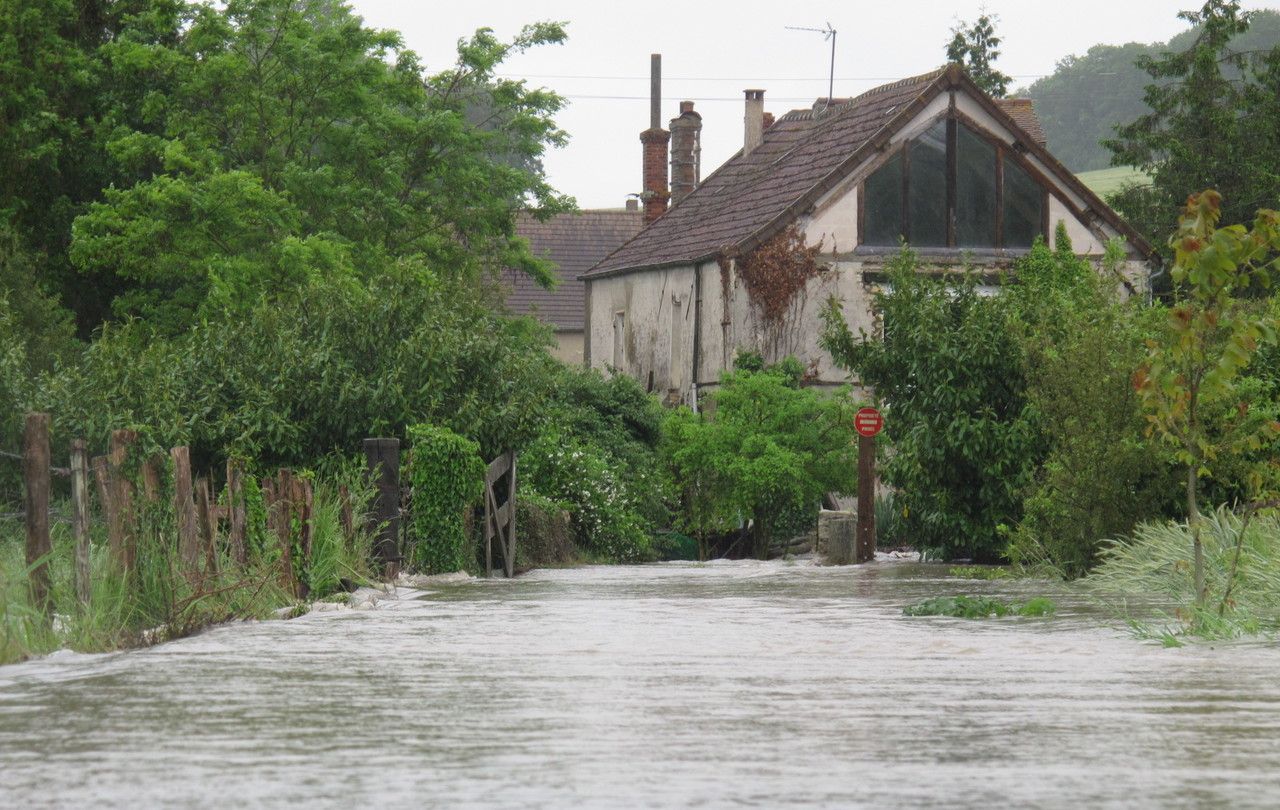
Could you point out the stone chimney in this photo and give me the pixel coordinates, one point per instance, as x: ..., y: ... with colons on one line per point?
x: 686, y: 152
x: 753, y: 120
x: 655, y: 140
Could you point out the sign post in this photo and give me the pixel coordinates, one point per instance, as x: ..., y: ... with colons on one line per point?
x: 868, y: 422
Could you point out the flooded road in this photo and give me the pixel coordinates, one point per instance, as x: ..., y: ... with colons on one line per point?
x: 737, y: 684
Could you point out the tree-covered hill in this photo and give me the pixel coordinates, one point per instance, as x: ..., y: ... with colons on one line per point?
x: 1087, y: 96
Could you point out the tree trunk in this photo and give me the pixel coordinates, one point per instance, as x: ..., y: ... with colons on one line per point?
x: 1193, y: 521
x: 760, y: 535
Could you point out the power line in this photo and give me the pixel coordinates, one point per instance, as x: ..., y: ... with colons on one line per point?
x: 729, y: 78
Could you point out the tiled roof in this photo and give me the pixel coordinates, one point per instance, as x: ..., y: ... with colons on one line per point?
x: 749, y: 191
x: 1023, y: 113
x: 801, y: 157
x: 574, y: 242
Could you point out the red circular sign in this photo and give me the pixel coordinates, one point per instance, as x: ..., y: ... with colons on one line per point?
x: 868, y: 422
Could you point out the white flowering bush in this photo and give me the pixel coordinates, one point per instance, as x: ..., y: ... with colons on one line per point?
x: 604, y: 509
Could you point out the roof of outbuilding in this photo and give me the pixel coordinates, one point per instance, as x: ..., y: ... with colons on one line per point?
x: 574, y: 242
x: 803, y: 155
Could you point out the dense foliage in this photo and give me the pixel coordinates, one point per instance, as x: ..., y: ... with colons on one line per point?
x: 948, y: 372
x: 1210, y: 124
x: 762, y: 448
x: 446, y: 477
x: 976, y: 47
x: 1088, y: 95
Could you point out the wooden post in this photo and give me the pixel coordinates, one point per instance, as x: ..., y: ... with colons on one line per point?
x: 236, y: 512
x: 282, y: 514
x: 382, y: 458
x: 151, y: 479
x: 35, y: 469
x: 303, y: 503
x: 208, y: 522
x: 80, y: 516
x: 120, y: 529
x: 866, y: 549
x: 509, y: 557
x: 184, y: 508
x: 346, y: 517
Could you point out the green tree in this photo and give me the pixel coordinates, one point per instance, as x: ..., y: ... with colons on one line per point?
x: 1207, y: 125
x: 976, y: 48
x: 763, y: 447
x: 949, y: 374
x: 1191, y: 383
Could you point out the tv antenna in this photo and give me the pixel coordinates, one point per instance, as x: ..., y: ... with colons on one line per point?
x: 827, y: 33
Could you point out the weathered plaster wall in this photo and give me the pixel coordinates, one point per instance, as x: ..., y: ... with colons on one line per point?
x: 569, y: 346
x: 656, y: 329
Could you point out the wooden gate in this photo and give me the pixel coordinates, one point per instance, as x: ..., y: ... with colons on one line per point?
x: 500, y: 512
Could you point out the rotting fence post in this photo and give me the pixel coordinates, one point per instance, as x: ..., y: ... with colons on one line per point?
x: 184, y: 509
x: 80, y: 516
x: 382, y: 457
x: 236, y: 511
x: 35, y: 469
x: 121, y: 525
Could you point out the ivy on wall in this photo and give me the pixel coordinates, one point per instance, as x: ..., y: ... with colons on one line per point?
x: 775, y: 275
x: 446, y: 474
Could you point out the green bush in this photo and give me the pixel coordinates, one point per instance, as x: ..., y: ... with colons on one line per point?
x: 1101, y: 474
x: 978, y: 607
x: 446, y: 475
x: 544, y: 532
x: 606, y: 520
x: 764, y: 448
x: 951, y: 375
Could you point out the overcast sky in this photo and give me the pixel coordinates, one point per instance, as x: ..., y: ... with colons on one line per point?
x: 711, y: 51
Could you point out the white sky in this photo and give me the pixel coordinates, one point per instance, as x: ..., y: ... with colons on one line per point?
x: 711, y: 51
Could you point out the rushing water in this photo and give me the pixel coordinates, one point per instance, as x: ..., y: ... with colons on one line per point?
x: 728, y: 684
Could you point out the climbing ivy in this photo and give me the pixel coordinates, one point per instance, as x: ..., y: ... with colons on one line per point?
x: 447, y: 476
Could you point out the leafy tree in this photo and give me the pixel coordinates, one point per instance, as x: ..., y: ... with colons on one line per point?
x: 1207, y: 124
x: 1081, y: 341
x: 763, y: 446
x: 949, y: 374
x: 1089, y: 95
x: 976, y: 48
x: 1191, y: 383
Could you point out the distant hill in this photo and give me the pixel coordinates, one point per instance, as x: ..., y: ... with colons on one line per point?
x: 1087, y: 97
x: 1105, y: 182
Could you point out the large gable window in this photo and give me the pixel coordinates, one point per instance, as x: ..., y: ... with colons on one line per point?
x: 951, y: 187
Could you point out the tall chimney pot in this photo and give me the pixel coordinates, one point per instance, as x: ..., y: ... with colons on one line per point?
x: 686, y: 152
x: 753, y: 120
x: 655, y: 139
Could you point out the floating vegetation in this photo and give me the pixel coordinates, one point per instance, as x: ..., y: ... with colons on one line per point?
x: 978, y: 607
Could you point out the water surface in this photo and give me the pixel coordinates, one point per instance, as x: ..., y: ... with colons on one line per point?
x: 723, y: 685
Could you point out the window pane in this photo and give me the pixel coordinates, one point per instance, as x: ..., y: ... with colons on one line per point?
x: 883, y: 206
x: 975, y: 190
x: 1023, y: 206
x: 927, y: 188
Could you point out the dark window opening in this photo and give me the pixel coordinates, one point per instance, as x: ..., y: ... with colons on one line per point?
x: 960, y: 190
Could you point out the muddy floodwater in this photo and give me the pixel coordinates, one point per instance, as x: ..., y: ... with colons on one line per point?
x: 734, y: 684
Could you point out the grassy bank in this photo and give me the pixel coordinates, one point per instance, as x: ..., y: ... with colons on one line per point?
x: 157, y: 600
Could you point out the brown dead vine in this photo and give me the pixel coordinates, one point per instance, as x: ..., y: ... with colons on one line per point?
x: 775, y: 274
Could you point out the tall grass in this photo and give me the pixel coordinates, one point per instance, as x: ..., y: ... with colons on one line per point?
x: 1155, y: 565
x: 157, y: 600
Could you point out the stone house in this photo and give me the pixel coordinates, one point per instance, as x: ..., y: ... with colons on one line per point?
x: 965, y: 178
x: 574, y: 243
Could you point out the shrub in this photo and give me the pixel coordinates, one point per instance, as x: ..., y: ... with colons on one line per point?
x: 544, y: 532
x: 951, y: 377
x: 446, y: 475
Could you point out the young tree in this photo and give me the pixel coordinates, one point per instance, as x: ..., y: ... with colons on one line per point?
x: 950, y: 375
x: 1211, y: 125
x: 1190, y: 385
x: 765, y: 446
x: 975, y: 47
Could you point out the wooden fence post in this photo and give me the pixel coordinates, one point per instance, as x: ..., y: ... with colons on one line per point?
x: 184, y: 508
x: 35, y: 469
x: 120, y: 529
x: 282, y: 514
x: 382, y: 457
x: 80, y: 516
x: 151, y: 479
x: 236, y: 511
x: 303, y: 503
x: 208, y: 522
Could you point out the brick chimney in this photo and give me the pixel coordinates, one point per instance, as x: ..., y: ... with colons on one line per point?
x: 686, y: 152
x: 753, y: 120
x: 655, y: 140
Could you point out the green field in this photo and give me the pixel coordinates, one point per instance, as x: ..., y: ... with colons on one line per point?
x: 1108, y: 181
